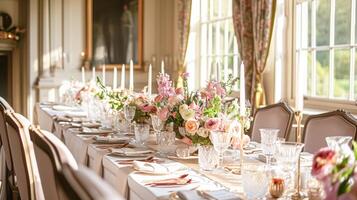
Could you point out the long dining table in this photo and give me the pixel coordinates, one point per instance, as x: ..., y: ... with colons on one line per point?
x: 127, y: 181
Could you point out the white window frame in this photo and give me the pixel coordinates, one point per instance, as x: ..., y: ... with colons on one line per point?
x: 203, y: 71
x: 314, y: 102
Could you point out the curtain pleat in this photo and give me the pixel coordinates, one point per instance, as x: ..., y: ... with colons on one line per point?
x: 253, y: 24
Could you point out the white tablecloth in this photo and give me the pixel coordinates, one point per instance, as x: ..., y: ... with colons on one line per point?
x: 122, y: 177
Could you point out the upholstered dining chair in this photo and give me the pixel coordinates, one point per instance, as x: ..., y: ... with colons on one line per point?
x: 51, y: 155
x: 8, y: 185
x: 88, y: 185
x: 276, y: 116
x: 335, y: 123
x: 23, y: 157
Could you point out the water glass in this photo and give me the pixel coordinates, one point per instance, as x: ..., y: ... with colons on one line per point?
x: 255, y: 181
x: 129, y: 114
x: 287, y: 155
x: 141, y: 133
x: 165, y: 141
x: 183, y: 151
x: 268, y: 141
x: 106, y: 116
x: 157, y: 125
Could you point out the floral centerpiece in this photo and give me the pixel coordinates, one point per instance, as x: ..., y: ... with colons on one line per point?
x: 118, y: 99
x: 337, y: 173
x: 196, y: 113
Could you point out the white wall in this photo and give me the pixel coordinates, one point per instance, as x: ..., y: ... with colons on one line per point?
x: 158, y: 41
x: 12, y: 8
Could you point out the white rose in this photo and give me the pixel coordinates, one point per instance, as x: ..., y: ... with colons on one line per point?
x: 203, y: 132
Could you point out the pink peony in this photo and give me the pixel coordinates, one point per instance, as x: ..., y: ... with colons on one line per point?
x: 212, y: 124
x: 323, y: 163
x: 163, y: 113
x: 147, y: 108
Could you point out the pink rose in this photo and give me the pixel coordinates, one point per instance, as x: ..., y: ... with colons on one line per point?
x: 179, y: 91
x: 163, y: 113
x: 174, y: 114
x: 147, y: 108
x: 158, y: 98
x: 191, y: 126
x: 323, y: 163
x: 212, y: 124
x: 173, y: 100
x: 194, y: 106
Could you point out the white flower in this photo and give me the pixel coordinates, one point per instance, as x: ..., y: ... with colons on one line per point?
x: 186, y: 113
x: 203, y: 132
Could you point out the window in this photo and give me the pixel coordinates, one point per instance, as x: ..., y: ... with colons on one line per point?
x: 212, y: 40
x: 326, y: 47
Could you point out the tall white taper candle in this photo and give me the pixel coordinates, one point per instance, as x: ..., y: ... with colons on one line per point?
x: 299, y: 88
x: 103, y: 74
x: 115, y: 77
x: 83, y: 76
x: 122, y: 85
x: 131, y: 81
x: 150, y: 80
x: 93, y: 74
x: 162, y: 67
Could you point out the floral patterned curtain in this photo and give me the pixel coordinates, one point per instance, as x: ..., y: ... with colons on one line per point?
x: 184, y: 15
x: 242, y: 22
x: 253, y: 22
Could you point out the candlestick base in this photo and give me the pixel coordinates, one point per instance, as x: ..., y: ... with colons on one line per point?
x: 297, y: 196
x: 242, y: 121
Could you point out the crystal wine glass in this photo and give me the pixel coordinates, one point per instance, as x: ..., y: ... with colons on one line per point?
x: 255, y: 181
x: 141, y: 133
x: 157, y: 125
x: 129, y: 114
x: 287, y: 155
x: 221, y: 141
x: 268, y: 141
x: 341, y: 144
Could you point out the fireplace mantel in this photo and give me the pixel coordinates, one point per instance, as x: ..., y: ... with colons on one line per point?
x: 7, y: 45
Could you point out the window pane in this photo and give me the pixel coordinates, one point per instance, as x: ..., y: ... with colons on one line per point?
x: 204, y: 10
x: 231, y: 37
x: 211, y: 34
x: 342, y: 73
x: 309, y: 74
x: 219, y: 40
x: 323, y: 23
x: 204, y: 40
x: 355, y: 82
x: 309, y: 23
x: 322, y: 73
x: 343, y: 22
x: 304, y: 20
